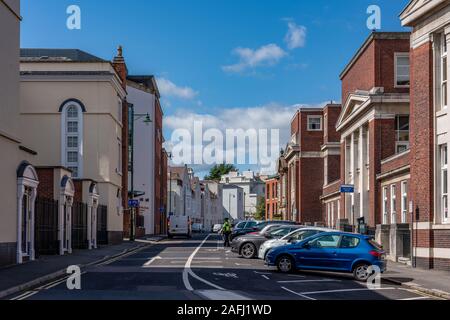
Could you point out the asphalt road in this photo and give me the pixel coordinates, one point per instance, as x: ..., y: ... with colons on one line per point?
x: 200, y: 268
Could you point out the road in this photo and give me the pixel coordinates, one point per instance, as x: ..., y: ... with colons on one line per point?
x: 200, y: 268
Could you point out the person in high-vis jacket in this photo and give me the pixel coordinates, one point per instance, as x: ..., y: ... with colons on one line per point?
x: 226, y: 231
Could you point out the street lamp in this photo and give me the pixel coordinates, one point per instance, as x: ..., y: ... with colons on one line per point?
x: 133, y: 118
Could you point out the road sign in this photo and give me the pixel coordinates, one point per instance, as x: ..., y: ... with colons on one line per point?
x: 347, y: 188
x: 133, y: 203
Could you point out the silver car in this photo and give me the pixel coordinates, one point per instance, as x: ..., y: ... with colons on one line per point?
x: 292, y: 237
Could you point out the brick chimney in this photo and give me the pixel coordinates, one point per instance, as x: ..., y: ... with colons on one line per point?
x: 121, y: 68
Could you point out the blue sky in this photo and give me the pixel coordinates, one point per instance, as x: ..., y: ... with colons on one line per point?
x: 217, y: 56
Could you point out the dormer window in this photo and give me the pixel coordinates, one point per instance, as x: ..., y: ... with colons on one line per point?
x: 402, y: 78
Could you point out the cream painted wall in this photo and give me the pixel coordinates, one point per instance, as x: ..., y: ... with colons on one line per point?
x: 10, y: 154
x: 41, y: 98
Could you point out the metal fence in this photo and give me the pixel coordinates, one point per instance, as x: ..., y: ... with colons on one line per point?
x: 79, y: 226
x: 102, y: 224
x: 46, y: 227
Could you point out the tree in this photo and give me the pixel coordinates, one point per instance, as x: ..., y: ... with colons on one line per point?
x: 260, y: 213
x: 219, y: 170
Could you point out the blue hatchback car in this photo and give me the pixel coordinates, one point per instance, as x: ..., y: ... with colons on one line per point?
x: 330, y: 251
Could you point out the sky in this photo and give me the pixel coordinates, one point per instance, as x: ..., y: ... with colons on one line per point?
x: 231, y: 64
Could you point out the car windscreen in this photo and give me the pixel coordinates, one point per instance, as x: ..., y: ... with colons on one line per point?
x: 280, y: 232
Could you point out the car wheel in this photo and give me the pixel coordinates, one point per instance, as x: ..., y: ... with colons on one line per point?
x: 285, y: 264
x: 248, y: 250
x: 360, y: 272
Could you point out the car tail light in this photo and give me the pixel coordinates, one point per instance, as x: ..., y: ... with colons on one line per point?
x: 376, y: 254
x: 253, y: 232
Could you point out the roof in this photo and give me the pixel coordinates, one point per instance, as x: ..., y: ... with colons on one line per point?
x: 57, y: 55
x: 147, y: 81
x: 374, y: 36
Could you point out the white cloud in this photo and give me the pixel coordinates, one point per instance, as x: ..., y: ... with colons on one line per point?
x: 270, y: 116
x: 296, y: 36
x: 267, y: 55
x: 169, y: 89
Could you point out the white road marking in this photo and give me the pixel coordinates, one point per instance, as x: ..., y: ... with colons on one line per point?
x: 298, y: 294
x: 188, y: 271
x: 258, y: 272
x: 345, y: 290
x: 302, y: 281
x: 149, y: 262
x: 265, y: 277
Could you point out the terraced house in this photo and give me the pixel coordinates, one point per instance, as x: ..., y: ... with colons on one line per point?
x: 430, y: 129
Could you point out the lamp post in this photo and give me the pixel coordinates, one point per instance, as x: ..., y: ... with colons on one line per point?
x: 147, y: 120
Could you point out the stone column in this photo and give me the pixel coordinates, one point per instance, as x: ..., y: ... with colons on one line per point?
x: 20, y: 193
x: 33, y: 218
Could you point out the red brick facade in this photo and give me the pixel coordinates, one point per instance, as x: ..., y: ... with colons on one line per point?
x: 272, y: 200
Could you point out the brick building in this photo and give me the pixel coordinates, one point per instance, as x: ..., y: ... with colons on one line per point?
x: 331, y: 165
x: 301, y: 168
x: 272, y: 200
x: 430, y: 127
x: 374, y: 142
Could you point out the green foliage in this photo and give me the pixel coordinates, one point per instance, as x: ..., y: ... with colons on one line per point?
x: 260, y: 213
x: 219, y: 170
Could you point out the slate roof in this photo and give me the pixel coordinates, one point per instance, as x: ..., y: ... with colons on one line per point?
x: 58, y: 55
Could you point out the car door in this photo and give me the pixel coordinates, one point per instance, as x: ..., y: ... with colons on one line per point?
x: 320, y: 253
x: 348, y: 252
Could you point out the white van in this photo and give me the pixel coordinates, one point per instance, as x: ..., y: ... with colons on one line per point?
x: 179, y: 226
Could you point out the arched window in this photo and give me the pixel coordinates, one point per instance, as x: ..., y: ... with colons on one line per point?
x: 72, y: 138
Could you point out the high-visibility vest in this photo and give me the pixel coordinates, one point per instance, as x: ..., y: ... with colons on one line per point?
x: 226, y: 227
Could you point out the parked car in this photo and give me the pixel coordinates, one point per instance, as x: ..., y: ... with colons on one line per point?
x: 293, y: 237
x: 253, y: 226
x: 197, y: 227
x: 330, y: 251
x: 248, y: 245
x: 216, y: 228
x: 179, y: 226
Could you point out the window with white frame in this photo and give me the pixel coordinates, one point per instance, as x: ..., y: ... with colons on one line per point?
x: 385, y: 205
x: 72, y: 127
x: 404, y: 201
x: 393, y: 204
x: 314, y: 123
x: 444, y: 72
x: 444, y: 183
x: 119, y: 206
x: 402, y: 67
x: 401, y: 133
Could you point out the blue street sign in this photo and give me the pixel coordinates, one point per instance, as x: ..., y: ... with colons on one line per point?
x: 133, y: 203
x: 347, y: 188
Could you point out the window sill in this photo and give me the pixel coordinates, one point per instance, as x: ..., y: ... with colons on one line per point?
x: 441, y: 113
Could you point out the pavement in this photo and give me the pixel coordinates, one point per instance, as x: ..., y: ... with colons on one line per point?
x: 436, y: 283
x: 22, y: 277
x: 202, y: 269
